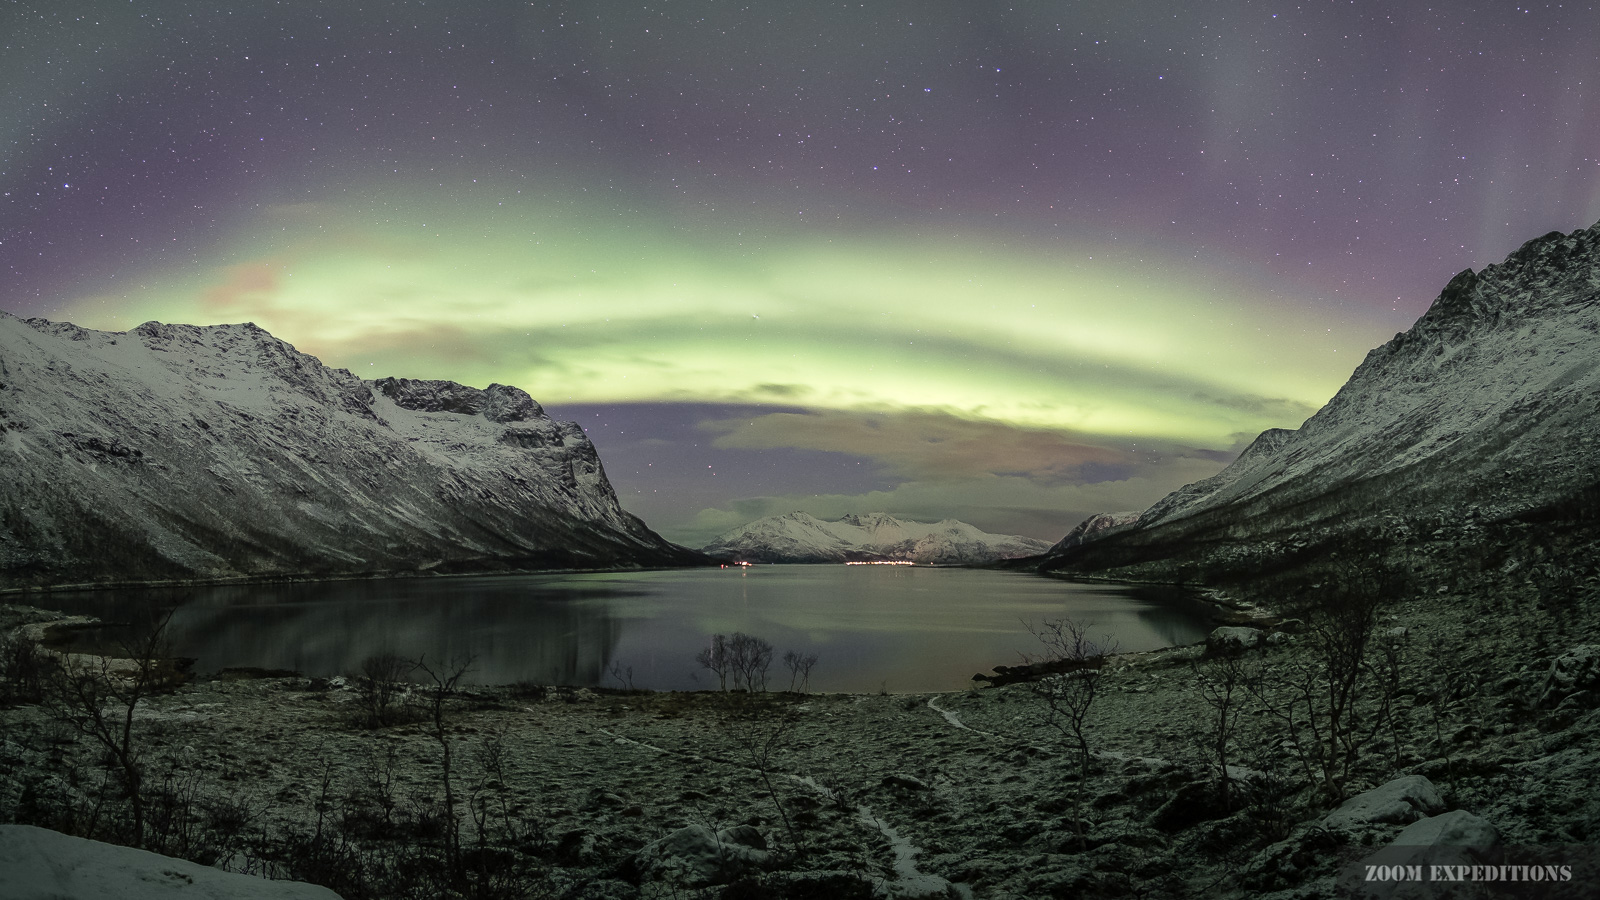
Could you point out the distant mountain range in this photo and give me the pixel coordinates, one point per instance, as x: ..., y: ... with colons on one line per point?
x: 176, y: 452
x: 1467, y: 446
x: 800, y: 538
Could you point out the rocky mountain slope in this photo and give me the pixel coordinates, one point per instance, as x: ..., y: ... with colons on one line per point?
x: 174, y: 452
x: 1467, y: 445
x: 1093, y: 528
x: 800, y: 538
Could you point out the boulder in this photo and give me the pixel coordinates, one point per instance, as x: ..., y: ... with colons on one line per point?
x: 1456, y: 838
x: 1457, y: 828
x: 1399, y: 802
x: 38, y: 864
x: 1230, y: 639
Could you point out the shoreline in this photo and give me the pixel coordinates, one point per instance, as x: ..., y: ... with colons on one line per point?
x: 974, y: 787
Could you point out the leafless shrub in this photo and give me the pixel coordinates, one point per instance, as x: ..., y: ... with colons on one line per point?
x: 622, y: 674
x: 1220, y: 681
x: 743, y: 659
x: 758, y: 727
x: 749, y: 657
x: 799, y: 669
x: 96, y: 697
x: 1331, y: 703
x: 717, y: 660
x: 381, y: 687
x: 443, y: 683
x: 1066, y: 696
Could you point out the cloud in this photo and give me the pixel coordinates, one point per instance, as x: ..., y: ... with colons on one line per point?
x: 245, y: 287
x: 923, y: 445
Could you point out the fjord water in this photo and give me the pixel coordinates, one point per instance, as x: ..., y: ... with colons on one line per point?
x: 895, y: 628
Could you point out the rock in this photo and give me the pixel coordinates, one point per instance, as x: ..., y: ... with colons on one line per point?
x: 1576, y: 670
x: 1399, y: 802
x: 1230, y: 639
x: 39, y: 864
x: 697, y: 857
x: 1457, y: 828
x: 1456, y: 838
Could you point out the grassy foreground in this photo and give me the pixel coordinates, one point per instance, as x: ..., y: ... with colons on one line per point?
x: 422, y: 788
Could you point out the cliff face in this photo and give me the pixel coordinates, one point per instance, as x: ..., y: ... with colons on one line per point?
x: 1483, y: 417
x: 175, y: 452
x: 800, y: 538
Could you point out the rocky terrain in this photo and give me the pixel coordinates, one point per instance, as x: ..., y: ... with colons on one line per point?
x: 1492, y: 731
x: 1464, y: 449
x: 800, y: 538
x: 176, y: 453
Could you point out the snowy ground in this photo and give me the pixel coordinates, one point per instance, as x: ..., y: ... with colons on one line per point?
x: 957, y: 794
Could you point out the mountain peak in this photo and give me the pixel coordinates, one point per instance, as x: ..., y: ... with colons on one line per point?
x: 1486, y: 411
x: 288, y: 467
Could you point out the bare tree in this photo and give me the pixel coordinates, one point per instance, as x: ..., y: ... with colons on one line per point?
x: 1066, y: 695
x: 1221, y: 684
x: 716, y: 658
x: 799, y: 669
x: 1333, y: 703
x: 98, y: 698
x: 758, y: 727
x: 750, y: 658
x: 623, y: 674
x: 443, y: 683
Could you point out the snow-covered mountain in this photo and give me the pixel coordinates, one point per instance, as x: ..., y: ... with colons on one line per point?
x: 800, y: 538
x: 1472, y: 439
x: 176, y: 452
x: 1093, y: 528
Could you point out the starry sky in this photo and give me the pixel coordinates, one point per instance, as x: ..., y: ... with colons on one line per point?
x: 1008, y: 264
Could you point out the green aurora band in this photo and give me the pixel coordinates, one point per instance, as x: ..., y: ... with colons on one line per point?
x: 593, y: 305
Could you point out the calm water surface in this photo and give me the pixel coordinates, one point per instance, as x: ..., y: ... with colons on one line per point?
x: 896, y: 628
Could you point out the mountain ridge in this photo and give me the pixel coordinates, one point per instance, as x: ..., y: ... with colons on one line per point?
x: 175, y: 453
x: 1479, y: 417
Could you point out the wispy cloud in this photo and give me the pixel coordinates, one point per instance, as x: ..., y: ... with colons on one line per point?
x: 922, y: 445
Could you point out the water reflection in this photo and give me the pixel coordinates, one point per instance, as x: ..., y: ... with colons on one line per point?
x: 873, y: 627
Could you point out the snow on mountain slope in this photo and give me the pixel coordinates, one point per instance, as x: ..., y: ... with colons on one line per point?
x: 1486, y: 411
x: 174, y: 452
x: 797, y: 538
x: 1093, y: 528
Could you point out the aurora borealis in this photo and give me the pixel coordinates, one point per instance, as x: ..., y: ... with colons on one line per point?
x: 1012, y: 266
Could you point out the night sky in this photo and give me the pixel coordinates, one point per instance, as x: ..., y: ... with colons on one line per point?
x: 1008, y: 265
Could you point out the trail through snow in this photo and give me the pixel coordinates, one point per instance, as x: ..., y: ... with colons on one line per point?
x: 953, y: 719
